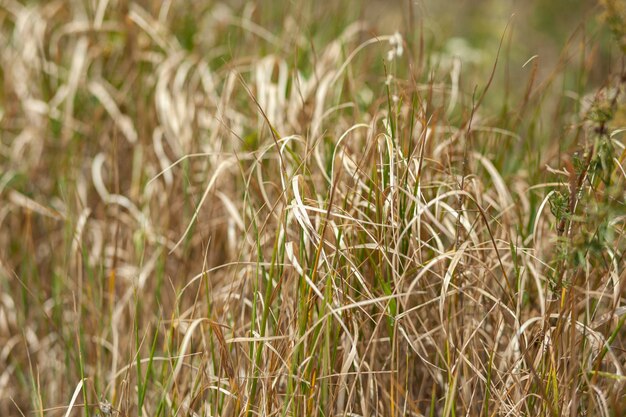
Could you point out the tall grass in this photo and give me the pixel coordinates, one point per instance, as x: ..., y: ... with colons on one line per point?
x: 215, y: 209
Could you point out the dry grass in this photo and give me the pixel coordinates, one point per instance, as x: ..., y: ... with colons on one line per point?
x: 214, y: 210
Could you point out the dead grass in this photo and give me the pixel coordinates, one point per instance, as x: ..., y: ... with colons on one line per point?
x: 215, y: 210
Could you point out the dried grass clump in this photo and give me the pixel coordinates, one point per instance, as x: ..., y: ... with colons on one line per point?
x: 204, y: 216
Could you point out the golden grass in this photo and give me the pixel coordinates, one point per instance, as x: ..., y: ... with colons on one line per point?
x: 218, y: 210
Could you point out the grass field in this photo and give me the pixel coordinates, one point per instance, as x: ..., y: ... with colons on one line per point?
x: 360, y: 208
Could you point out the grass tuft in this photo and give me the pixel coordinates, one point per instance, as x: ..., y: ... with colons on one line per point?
x: 356, y: 209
